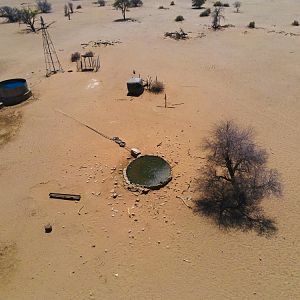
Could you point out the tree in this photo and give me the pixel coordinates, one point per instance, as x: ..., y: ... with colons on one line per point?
x: 236, y: 178
x: 197, y: 3
x: 217, y: 15
x: 12, y: 14
x: 123, y: 5
x: 237, y: 5
x: 28, y: 17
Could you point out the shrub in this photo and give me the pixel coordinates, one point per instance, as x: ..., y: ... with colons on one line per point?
x: 156, y: 87
x: 205, y: 13
x: 172, y: 3
x: 237, y: 5
x: 161, y: 7
x: 101, y: 2
x: 78, y: 6
x: 89, y: 54
x: 136, y: 3
x: 295, y: 23
x: 12, y: 14
x: 179, y: 18
x: 226, y: 5
x: 28, y: 17
x: 218, y: 3
x: 251, y: 25
x: 197, y: 3
x: 75, y: 56
x: 43, y: 6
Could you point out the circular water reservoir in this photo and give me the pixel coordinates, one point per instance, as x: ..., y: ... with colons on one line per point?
x: 149, y: 171
x: 14, y: 91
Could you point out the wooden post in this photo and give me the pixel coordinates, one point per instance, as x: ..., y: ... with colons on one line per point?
x: 165, y: 100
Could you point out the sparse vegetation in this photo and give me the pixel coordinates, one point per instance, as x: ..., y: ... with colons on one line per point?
x: 205, y: 13
x: 218, y: 3
x: 123, y: 5
x: 156, y: 87
x: 101, y: 2
x: 295, y: 23
x: 161, y: 7
x: 179, y: 18
x: 28, y: 17
x: 197, y: 3
x: 217, y: 16
x: 75, y: 56
x: 236, y: 179
x: 43, y: 6
x: 237, y: 5
x: 226, y: 5
x: 136, y: 3
x: 12, y: 14
x: 172, y: 3
x: 251, y: 25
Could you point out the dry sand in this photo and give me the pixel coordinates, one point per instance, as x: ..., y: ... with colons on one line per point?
x: 251, y: 76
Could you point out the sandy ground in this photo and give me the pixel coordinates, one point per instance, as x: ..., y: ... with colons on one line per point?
x: 169, y: 252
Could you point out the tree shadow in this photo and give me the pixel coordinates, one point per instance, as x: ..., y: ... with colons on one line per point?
x: 254, y: 220
x: 125, y: 20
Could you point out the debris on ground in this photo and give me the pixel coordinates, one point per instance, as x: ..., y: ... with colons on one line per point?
x: 99, y: 43
x: 71, y: 197
x: 177, y: 35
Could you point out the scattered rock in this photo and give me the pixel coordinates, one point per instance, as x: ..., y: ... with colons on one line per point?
x: 48, y: 228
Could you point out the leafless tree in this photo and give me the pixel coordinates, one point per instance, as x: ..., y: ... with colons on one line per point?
x: 236, y: 178
x: 217, y: 16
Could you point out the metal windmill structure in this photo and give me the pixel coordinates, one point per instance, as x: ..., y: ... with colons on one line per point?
x: 51, y: 59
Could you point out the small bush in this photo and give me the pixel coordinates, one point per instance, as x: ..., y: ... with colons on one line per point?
x: 205, y: 13
x: 78, y: 6
x: 136, y: 3
x: 28, y: 17
x: 226, y: 5
x: 218, y: 3
x: 43, y: 6
x: 12, y: 14
x: 101, y: 2
x: 89, y: 54
x: 197, y: 3
x: 295, y: 23
x: 251, y: 25
x: 161, y: 7
x: 172, y: 3
x: 237, y: 5
x: 157, y: 87
x: 75, y: 56
x: 179, y: 18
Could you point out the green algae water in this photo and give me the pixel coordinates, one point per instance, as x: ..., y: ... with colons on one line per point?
x: 149, y: 171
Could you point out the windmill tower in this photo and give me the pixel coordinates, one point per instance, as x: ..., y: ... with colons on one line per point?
x: 51, y: 60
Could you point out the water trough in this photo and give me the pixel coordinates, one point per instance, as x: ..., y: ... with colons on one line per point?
x: 14, y: 91
x: 148, y: 171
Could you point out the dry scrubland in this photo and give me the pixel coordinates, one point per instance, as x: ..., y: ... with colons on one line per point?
x: 251, y: 76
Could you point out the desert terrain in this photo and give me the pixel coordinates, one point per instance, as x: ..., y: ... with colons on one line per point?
x: 146, y: 246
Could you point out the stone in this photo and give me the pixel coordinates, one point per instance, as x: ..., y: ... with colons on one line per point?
x: 48, y: 228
